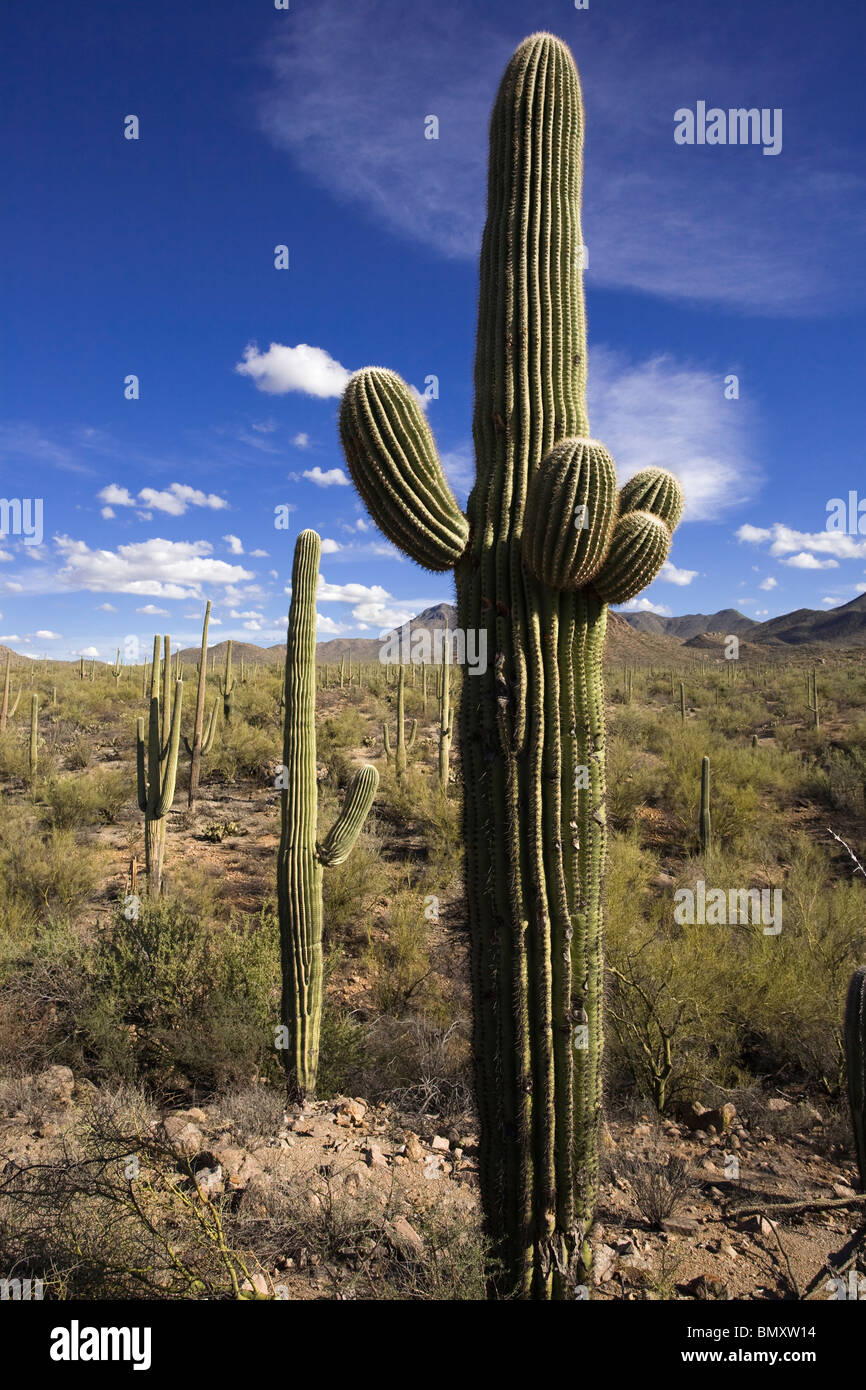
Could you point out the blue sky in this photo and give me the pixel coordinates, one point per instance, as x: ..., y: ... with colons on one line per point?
x: 261, y: 127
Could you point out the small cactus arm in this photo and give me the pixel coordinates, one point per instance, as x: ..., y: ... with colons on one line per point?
x: 301, y: 859
x: 546, y: 544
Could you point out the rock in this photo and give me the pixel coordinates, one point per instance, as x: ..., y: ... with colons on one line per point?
x: 350, y: 1112
x: 663, y: 880
x: 56, y: 1085
x: 258, y: 1284
x: 404, y: 1238
x: 414, y: 1151
x: 209, y: 1181
x: 758, y: 1225
x: 680, y: 1225
x: 603, y: 1262
x: 843, y: 1192
x: 184, y: 1137
x: 374, y: 1156
x: 440, y: 1144
x: 704, y: 1286
x: 249, y: 1168
x: 777, y: 1105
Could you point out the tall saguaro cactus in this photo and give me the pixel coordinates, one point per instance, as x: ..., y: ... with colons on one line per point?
x: 855, y: 1057
x: 227, y: 687
x: 546, y: 544
x: 445, y: 721
x: 402, y: 745
x: 202, y: 740
x: 156, y: 764
x: 302, y: 859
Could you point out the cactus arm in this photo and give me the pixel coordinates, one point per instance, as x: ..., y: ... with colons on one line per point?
x: 395, y: 466
x: 410, y: 742
x: 340, y: 839
x: 169, y: 774
x: 141, y: 774
x: 386, y: 738
x: 166, y: 695
x: 210, y: 731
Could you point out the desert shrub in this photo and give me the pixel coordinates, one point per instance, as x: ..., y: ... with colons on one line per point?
x: 177, y: 1004
x: 41, y: 875
x: 71, y: 802
x: 398, y: 959
x: 660, y: 1183
x: 242, y: 751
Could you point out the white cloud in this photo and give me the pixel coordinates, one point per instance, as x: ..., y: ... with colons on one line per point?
x: 310, y: 370
x: 669, y: 574
x: 88, y: 651
x: 105, y: 608
x: 153, y: 611
x: 644, y: 605
x: 301, y: 441
x: 662, y: 414
x: 768, y: 583
x: 174, y: 500
x: 258, y: 554
x: 330, y: 547
x: 659, y: 218
x: 335, y: 477
x: 47, y: 635
x: 154, y: 568
x: 11, y: 586
x: 350, y: 593
x: 804, y: 561
x: 250, y: 613
x: 833, y: 601
x: 115, y: 496
x: 11, y: 637
x: 107, y: 513
x: 328, y: 625
x: 5, y: 556
x: 234, y: 544
x: 786, y: 540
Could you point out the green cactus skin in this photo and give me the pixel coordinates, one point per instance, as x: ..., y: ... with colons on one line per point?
x: 654, y: 490
x: 682, y: 702
x: 446, y: 727
x: 34, y: 739
x: 156, y: 764
x: 4, y: 708
x: 855, y: 1056
x: 403, y: 745
x: 535, y: 836
x: 227, y: 687
x: 570, y: 510
x: 706, y: 825
x: 201, y: 743
x: 301, y: 860
x: 117, y: 669
x: 813, y: 699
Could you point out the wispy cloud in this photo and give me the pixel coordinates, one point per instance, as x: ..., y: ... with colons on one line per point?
x: 687, y: 223
x: 174, y: 500
x: 664, y: 414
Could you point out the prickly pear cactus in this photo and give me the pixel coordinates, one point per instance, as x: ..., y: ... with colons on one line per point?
x: 546, y: 544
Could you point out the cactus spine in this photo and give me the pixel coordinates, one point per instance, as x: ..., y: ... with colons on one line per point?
x: 855, y: 1057
x: 227, y: 687
x: 403, y: 745
x: 156, y: 764
x: 706, y: 826
x: 535, y: 834
x: 201, y: 743
x: 302, y: 860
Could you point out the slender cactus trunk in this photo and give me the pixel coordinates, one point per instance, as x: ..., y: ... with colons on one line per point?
x: 195, y: 756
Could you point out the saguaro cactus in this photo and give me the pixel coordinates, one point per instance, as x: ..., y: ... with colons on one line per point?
x: 156, y: 764
x: 302, y: 859
x: 855, y: 1056
x: 445, y: 722
x: 227, y: 687
x: 403, y: 745
x: 5, y: 712
x: 706, y: 825
x: 117, y: 669
x: 812, y: 680
x: 546, y: 544
x: 201, y: 743
x: 34, y: 739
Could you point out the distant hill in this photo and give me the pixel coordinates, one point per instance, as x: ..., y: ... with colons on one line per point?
x: 728, y: 620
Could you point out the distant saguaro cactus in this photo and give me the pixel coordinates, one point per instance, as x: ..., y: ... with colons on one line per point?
x: 201, y: 742
x: 547, y: 543
x: 706, y: 828
x: 34, y: 739
x: 156, y: 765
x: 403, y: 745
x: 445, y: 720
x: 5, y: 712
x: 855, y: 1057
x: 227, y: 687
x: 302, y: 859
